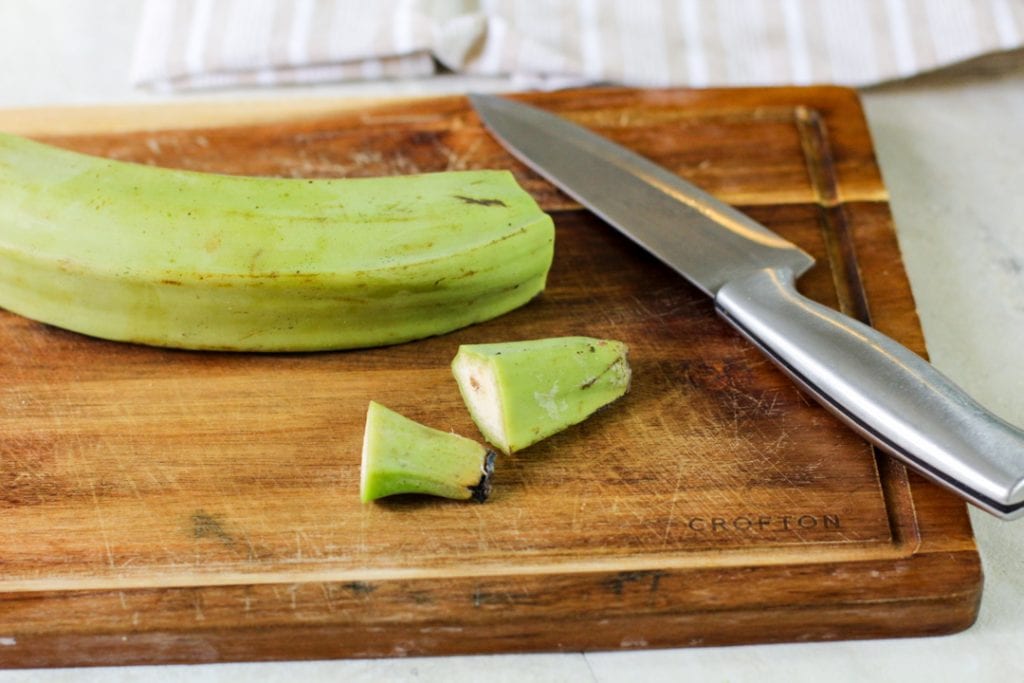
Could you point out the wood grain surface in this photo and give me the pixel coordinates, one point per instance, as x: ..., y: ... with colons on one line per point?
x: 174, y: 506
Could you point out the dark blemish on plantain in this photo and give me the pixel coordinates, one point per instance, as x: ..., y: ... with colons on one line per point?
x: 590, y: 382
x: 480, y: 202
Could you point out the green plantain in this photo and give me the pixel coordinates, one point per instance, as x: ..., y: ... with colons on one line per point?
x: 204, y: 261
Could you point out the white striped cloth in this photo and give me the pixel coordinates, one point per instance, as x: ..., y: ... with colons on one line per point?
x: 187, y: 44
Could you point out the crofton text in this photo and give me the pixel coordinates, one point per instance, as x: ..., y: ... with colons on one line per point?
x: 762, y: 523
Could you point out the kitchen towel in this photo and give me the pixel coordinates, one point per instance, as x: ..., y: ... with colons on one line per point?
x: 189, y: 44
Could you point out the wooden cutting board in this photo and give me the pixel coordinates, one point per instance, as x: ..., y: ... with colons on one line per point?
x: 170, y: 506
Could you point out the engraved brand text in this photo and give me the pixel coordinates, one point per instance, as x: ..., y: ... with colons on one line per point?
x: 762, y: 523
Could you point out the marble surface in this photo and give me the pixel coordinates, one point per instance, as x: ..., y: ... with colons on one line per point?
x: 951, y: 148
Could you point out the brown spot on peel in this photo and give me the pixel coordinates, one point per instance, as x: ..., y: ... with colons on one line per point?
x: 480, y: 202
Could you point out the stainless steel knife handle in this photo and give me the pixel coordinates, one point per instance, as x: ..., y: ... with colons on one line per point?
x: 883, y: 390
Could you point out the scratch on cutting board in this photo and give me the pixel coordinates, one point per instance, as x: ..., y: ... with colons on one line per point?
x: 313, y: 549
x: 98, y: 508
x: 251, y: 554
x: 371, y: 158
x: 403, y: 164
x: 197, y: 604
x: 8, y: 641
x: 441, y: 629
x: 110, y: 552
x: 328, y: 591
x: 455, y: 161
x: 577, y: 506
x: 483, y: 532
x: 677, y: 485
x: 293, y: 591
x: 628, y: 642
x: 320, y: 166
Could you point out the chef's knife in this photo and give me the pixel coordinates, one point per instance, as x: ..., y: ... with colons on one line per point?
x: 881, y: 389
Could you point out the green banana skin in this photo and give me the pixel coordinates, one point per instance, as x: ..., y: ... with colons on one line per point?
x: 519, y: 393
x: 204, y: 261
x: 404, y: 456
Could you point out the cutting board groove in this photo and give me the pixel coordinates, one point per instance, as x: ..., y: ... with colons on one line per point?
x: 175, y: 506
x: 840, y: 248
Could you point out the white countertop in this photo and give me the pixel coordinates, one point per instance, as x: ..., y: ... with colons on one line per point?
x: 951, y: 150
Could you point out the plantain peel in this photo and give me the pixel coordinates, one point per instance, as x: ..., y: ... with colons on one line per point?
x: 193, y: 260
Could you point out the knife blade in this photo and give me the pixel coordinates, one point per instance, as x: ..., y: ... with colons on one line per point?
x: 881, y: 389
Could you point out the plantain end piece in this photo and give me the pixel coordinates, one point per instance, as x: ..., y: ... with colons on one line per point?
x: 404, y: 456
x: 519, y: 393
